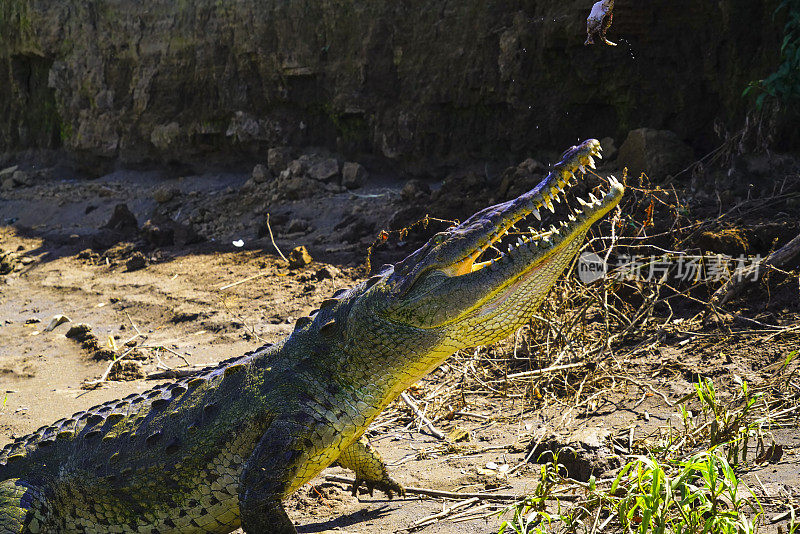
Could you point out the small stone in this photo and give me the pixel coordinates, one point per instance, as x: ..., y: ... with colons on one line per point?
x: 326, y: 170
x: 295, y: 168
x: 609, y: 148
x: 261, y: 174
x: 165, y: 193
x: 136, y: 261
x: 104, y: 354
x: 459, y: 434
x: 658, y: 153
x: 32, y: 320
x: 79, y: 332
x: 122, y: 220
x: 415, y: 190
x: 297, y: 225
x: 8, y: 171
x: 354, y: 175
x: 299, y: 257
x: 126, y: 370
x: 327, y: 272
x: 278, y: 158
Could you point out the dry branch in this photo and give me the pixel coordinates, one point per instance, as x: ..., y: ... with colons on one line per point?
x: 735, y: 285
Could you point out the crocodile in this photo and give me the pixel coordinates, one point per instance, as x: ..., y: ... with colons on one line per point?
x: 221, y: 450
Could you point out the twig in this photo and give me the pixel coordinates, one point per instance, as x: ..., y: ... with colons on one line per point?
x: 444, y: 513
x: 734, y: 285
x: 546, y: 370
x: 428, y: 423
x: 228, y: 286
x: 272, y: 238
x: 439, y: 493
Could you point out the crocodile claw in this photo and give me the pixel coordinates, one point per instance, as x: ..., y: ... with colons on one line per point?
x: 389, y: 486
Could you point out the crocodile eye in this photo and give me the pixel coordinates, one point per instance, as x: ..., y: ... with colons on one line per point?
x: 438, y: 239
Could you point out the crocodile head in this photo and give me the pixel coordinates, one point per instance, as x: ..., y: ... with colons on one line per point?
x: 461, y: 286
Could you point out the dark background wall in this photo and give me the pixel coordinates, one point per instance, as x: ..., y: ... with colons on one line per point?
x: 420, y: 82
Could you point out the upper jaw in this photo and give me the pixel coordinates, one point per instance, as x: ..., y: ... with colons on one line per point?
x: 537, y: 244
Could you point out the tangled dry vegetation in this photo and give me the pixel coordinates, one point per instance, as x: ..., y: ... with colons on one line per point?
x: 594, y: 342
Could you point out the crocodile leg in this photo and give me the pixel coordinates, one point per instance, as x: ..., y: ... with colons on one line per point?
x: 18, y: 501
x: 369, y: 468
x: 269, y: 475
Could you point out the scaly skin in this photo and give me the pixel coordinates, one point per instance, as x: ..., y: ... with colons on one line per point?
x: 222, y: 449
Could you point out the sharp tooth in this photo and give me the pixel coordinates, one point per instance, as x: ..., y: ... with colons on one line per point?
x: 572, y: 218
x: 591, y: 162
x: 613, y: 180
x: 593, y: 198
x: 578, y: 212
x: 519, y: 241
x: 598, y: 154
x: 601, y: 193
x: 582, y: 202
x: 510, y: 247
x: 556, y: 197
x: 553, y: 229
x: 582, y: 168
x: 549, y: 204
x: 537, y: 214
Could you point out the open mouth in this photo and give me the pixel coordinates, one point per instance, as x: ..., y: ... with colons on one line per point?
x: 516, y: 233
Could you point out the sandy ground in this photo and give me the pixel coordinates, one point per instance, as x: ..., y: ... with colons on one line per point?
x: 176, y: 301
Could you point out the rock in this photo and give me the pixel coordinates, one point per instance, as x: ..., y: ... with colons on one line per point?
x: 458, y: 434
x: 297, y: 225
x: 165, y: 193
x: 426, y: 95
x: 415, y: 190
x: 354, y: 175
x: 327, y: 272
x: 79, y: 332
x: 126, y: 370
x: 657, y: 153
x: 8, y: 261
x: 278, y: 159
x: 584, y: 453
x: 136, y: 261
x: 609, y: 149
x: 297, y: 187
x: 166, y: 136
x: 261, y: 174
x: 21, y: 178
x: 296, y: 167
x: 122, y: 220
x: 326, y: 170
x: 299, y: 257
x: 162, y: 231
x: 103, y: 354
x: 17, y: 178
x: 8, y: 171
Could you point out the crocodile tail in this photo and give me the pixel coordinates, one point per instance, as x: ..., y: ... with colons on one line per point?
x: 18, y: 504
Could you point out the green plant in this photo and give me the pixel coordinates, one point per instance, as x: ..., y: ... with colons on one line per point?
x: 784, y: 83
x: 701, y: 494
x: 528, y: 515
x: 685, y: 485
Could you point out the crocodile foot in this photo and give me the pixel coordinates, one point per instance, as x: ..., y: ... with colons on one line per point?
x: 389, y: 486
